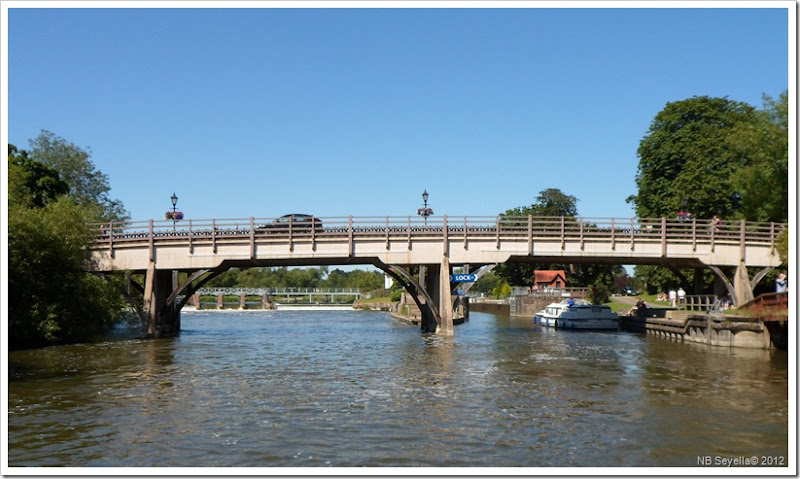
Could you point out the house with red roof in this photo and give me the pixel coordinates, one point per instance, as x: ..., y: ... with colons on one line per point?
x: 550, y: 279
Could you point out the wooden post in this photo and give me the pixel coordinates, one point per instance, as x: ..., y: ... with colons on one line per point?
x: 613, y: 235
x: 350, y: 235
x: 110, y: 238
x: 252, y: 238
x: 465, y: 233
x: 214, y: 236
x: 150, y: 241
x: 387, y: 233
x: 445, y: 238
x: 408, y: 231
x: 633, y: 227
x: 497, y: 229
x: 742, y: 249
x: 191, y: 247
x: 530, y: 235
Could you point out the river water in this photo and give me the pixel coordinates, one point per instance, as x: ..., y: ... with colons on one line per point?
x: 355, y: 388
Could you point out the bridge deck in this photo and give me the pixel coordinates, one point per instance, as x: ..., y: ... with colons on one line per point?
x: 409, y: 240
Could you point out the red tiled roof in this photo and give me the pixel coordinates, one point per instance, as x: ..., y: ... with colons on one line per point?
x: 549, y: 276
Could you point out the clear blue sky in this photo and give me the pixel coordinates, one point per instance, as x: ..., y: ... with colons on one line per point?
x: 261, y: 112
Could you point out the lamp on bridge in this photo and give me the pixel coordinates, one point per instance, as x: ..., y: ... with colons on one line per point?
x: 174, y: 199
x: 425, y: 211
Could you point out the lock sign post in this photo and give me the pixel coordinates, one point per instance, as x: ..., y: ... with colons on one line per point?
x: 463, y: 278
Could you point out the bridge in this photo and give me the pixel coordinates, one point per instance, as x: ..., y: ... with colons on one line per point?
x: 270, y: 297
x: 204, y: 249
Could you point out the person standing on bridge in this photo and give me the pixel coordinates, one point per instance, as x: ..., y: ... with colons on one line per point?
x: 781, y: 284
x: 681, y: 296
x: 716, y: 222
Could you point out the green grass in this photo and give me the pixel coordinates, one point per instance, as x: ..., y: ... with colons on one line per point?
x: 383, y: 299
x: 617, y: 306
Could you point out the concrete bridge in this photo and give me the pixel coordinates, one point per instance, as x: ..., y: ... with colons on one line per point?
x: 203, y: 249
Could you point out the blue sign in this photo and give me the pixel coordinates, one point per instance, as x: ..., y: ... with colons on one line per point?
x: 463, y: 278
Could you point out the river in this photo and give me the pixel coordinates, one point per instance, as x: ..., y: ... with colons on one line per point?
x: 355, y: 388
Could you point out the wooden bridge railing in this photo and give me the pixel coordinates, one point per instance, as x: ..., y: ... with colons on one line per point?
x: 620, y: 231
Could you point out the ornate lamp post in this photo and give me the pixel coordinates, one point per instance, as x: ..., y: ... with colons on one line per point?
x: 425, y: 211
x: 174, y: 214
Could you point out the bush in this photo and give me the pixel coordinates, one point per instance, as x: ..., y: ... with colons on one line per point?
x: 396, y: 295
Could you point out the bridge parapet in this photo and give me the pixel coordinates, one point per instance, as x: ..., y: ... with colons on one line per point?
x: 407, y: 240
x: 205, y: 248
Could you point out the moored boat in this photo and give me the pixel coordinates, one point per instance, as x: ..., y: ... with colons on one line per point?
x: 577, y: 316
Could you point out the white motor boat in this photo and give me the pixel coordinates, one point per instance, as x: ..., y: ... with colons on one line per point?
x: 578, y: 316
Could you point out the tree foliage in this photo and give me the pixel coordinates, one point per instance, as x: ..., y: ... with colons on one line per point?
x: 87, y: 185
x: 688, y: 153
x: 763, y: 178
x: 299, y: 278
x: 549, y: 202
x: 723, y: 158
x: 554, y: 202
x: 51, y: 296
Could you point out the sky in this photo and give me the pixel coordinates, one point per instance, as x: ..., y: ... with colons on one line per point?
x: 355, y: 111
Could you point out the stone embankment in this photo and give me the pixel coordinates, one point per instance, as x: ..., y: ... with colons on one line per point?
x: 714, y: 329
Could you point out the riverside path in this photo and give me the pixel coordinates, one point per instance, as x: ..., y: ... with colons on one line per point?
x: 203, y: 249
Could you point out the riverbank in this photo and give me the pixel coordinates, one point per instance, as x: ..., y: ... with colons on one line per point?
x: 723, y: 330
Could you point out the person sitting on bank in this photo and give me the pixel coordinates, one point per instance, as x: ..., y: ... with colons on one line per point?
x: 641, y: 308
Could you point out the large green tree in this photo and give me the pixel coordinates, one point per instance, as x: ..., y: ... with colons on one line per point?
x: 688, y: 153
x: 721, y: 157
x: 51, y: 296
x: 87, y: 185
x: 763, y: 178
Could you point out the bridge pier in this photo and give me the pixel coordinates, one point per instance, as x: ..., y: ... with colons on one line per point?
x: 436, y: 281
x: 741, y: 289
x: 160, y: 319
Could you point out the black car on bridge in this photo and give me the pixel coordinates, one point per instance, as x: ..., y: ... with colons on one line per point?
x: 298, y: 222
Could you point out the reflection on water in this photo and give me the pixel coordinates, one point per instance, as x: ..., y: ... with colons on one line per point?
x: 353, y: 388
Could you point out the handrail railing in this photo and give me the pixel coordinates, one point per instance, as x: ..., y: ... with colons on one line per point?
x: 585, y: 230
x: 279, y: 291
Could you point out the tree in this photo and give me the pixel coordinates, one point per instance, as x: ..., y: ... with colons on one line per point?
x: 554, y: 202
x: 689, y: 153
x: 723, y: 157
x: 763, y: 179
x: 32, y: 183
x: 87, y: 185
x: 550, y: 202
x: 51, y: 296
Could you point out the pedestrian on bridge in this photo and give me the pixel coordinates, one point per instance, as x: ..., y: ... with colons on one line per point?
x: 781, y: 284
x: 716, y: 222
